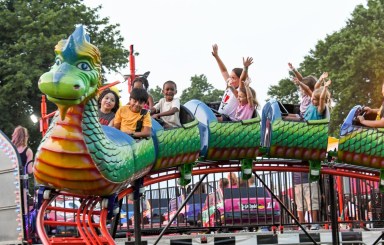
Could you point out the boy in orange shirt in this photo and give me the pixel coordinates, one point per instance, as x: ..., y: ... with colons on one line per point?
x: 132, y: 118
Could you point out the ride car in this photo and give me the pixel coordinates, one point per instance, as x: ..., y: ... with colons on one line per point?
x: 239, y: 206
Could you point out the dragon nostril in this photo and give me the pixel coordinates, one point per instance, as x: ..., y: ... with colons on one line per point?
x: 76, y: 87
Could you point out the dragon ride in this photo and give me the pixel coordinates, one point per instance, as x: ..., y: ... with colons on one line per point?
x: 79, y: 156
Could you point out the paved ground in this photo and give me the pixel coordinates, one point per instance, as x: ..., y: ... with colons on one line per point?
x: 251, y: 238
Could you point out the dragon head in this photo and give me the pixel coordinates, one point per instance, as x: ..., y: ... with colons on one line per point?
x: 76, y: 74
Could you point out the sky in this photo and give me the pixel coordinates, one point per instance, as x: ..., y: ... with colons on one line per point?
x: 174, y: 38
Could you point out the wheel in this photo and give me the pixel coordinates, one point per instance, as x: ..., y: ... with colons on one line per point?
x: 46, y: 194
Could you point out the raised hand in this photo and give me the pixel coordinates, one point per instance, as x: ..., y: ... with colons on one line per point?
x: 291, y: 66
x: 327, y: 83
x: 215, y: 50
x: 323, y: 76
x: 248, y: 61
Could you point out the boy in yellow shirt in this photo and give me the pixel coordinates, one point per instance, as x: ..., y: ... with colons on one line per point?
x: 132, y: 119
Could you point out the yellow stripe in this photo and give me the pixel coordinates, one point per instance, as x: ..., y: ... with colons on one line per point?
x: 64, y: 160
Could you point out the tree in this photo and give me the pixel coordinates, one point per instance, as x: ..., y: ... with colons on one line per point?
x: 285, y: 91
x: 29, y: 32
x: 353, y: 57
x: 202, y: 90
x: 156, y: 93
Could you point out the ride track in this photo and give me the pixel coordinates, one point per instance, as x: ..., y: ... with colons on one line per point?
x: 95, y: 163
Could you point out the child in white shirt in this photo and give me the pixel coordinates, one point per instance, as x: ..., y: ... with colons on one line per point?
x: 168, y: 108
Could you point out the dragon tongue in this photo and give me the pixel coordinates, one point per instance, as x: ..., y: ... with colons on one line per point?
x: 63, y: 110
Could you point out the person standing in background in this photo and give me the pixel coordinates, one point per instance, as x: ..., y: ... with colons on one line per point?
x: 20, y: 138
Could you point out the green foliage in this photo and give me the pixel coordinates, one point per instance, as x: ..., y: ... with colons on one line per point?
x: 29, y: 32
x: 202, y: 90
x: 353, y: 57
x: 285, y: 91
x: 156, y: 93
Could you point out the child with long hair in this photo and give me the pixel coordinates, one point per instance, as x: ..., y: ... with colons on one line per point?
x: 108, y: 103
x: 229, y: 102
x: 246, y: 96
x: 306, y: 86
x: 320, y: 99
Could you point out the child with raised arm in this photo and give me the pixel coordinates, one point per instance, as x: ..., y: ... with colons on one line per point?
x: 300, y: 77
x: 246, y: 96
x: 319, y: 98
x: 229, y: 101
x: 132, y: 119
x: 304, y: 83
x: 168, y: 108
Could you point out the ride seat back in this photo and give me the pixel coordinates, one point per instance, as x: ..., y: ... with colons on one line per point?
x: 214, y: 105
x: 254, y: 114
x: 283, y: 110
x: 291, y: 108
x: 185, y: 115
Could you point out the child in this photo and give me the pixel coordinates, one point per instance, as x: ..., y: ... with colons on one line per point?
x: 168, y: 107
x: 245, y: 95
x: 310, y: 83
x: 108, y: 104
x: 131, y: 118
x: 142, y: 82
x: 320, y: 98
x: 229, y: 101
x: 379, y: 122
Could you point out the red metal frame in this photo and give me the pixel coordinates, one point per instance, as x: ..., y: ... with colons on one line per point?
x: 132, y: 67
x: 86, y: 227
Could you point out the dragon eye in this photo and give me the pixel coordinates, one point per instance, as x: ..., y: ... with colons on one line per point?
x: 84, y: 66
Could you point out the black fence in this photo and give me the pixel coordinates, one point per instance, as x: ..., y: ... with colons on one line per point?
x: 225, y: 202
x: 268, y: 200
